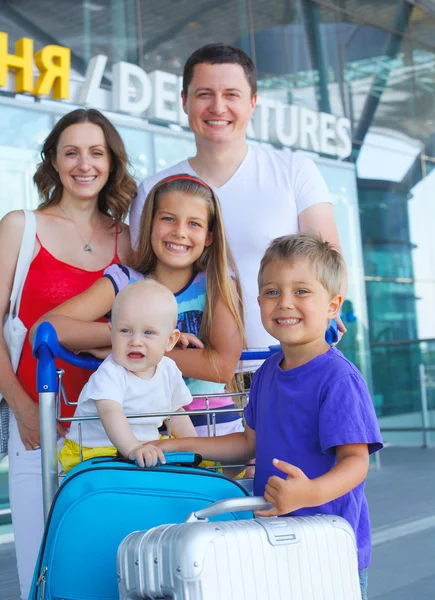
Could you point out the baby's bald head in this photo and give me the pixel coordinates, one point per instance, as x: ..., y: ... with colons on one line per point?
x: 144, y: 320
x: 148, y: 299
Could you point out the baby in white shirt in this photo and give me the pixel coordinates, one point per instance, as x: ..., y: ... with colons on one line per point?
x: 136, y: 378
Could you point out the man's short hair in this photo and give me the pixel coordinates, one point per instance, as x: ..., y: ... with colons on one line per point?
x: 326, y: 261
x: 219, y: 54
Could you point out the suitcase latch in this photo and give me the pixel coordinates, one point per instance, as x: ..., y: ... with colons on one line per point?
x: 279, y: 531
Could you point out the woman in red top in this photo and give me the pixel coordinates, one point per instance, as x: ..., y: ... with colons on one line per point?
x: 86, y: 191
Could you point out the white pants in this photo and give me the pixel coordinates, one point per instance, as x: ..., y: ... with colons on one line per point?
x: 25, y: 493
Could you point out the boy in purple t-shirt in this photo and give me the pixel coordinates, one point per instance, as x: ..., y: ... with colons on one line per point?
x: 310, y: 421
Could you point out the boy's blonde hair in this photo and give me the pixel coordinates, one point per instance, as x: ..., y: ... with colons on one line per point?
x: 326, y: 261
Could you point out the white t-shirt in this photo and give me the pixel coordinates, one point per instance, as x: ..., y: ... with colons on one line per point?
x: 164, y: 392
x: 260, y: 202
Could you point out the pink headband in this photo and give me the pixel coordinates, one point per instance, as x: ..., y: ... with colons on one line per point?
x: 188, y: 178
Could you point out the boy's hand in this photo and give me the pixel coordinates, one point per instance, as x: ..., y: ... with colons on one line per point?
x: 288, y: 494
x: 147, y: 455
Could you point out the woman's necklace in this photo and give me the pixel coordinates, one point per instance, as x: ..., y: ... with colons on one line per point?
x: 87, y: 244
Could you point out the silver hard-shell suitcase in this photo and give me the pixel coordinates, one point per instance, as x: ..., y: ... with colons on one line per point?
x: 286, y: 558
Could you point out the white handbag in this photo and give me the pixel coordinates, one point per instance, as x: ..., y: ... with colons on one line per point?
x: 14, y: 331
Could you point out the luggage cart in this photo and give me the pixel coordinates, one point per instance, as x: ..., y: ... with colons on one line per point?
x: 46, y: 348
x: 72, y: 564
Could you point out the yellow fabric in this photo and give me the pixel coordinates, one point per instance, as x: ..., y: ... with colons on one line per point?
x: 211, y: 463
x: 69, y: 456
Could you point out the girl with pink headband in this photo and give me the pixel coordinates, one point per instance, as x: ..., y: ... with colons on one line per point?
x: 182, y: 245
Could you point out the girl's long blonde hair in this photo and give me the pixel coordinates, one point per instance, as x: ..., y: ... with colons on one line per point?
x: 216, y: 260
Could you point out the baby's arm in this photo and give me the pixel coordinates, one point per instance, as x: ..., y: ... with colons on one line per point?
x: 120, y: 434
x: 233, y: 447
x: 298, y: 491
x: 182, y: 426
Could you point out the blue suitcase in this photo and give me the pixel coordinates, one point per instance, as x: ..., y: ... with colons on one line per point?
x: 100, y: 502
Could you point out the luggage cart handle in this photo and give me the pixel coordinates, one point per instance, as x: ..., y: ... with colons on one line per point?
x: 249, y: 503
x: 331, y: 337
x: 46, y: 337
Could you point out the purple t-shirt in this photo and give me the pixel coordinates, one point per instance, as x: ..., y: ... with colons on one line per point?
x: 301, y: 415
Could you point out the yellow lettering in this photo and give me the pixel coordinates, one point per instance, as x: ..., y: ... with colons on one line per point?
x: 53, y: 63
x: 21, y: 62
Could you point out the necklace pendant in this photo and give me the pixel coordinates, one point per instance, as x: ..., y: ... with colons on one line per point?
x: 87, y: 248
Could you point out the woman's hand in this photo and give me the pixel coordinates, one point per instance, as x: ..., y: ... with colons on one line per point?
x: 28, y: 426
x: 187, y: 339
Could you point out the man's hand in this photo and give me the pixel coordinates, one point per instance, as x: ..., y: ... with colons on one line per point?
x: 341, y: 327
x: 147, y: 455
x: 187, y: 339
x: 287, y: 495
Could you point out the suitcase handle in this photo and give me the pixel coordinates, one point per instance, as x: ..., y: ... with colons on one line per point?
x: 249, y: 503
x: 178, y: 459
x: 182, y: 459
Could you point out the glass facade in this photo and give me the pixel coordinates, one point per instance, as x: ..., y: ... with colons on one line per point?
x: 370, y: 64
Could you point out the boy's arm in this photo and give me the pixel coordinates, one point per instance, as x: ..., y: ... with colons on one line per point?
x: 298, y: 491
x: 233, y: 447
x: 182, y: 426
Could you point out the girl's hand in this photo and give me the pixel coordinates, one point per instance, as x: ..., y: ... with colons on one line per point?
x: 187, y: 339
x: 147, y: 455
x: 100, y: 353
x: 287, y: 495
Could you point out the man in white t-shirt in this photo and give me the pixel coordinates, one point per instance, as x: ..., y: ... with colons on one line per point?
x: 135, y: 379
x: 264, y: 193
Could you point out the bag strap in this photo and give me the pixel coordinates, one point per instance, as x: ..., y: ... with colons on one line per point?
x: 24, y: 260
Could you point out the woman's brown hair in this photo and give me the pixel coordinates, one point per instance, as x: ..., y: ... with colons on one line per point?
x: 216, y: 260
x: 120, y: 190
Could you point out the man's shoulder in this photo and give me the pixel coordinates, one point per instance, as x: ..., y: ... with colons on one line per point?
x: 287, y: 157
x: 149, y: 182
x: 266, y: 158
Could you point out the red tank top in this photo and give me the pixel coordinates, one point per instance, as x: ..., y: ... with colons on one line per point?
x: 51, y: 282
